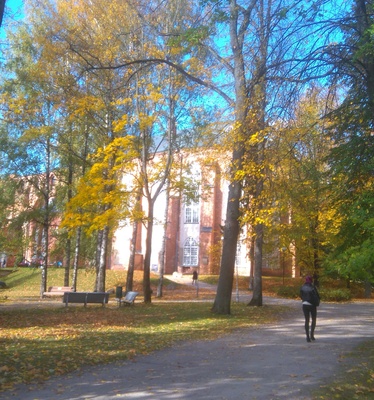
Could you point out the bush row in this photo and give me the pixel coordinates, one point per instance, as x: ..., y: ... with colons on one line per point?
x: 326, y: 294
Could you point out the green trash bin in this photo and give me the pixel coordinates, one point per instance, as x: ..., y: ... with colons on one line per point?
x: 119, y: 292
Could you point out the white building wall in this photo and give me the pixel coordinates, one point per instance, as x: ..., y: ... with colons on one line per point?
x: 122, y: 238
x: 158, y: 230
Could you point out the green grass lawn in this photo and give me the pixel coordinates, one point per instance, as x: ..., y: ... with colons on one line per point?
x: 38, y: 342
x: 356, y: 382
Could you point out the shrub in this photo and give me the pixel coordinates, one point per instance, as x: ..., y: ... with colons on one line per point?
x: 290, y: 292
x: 338, y: 294
x: 335, y: 294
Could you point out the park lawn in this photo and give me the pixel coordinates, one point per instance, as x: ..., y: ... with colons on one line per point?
x: 39, y: 343
x: 357, y: 381
x: 23, y: 284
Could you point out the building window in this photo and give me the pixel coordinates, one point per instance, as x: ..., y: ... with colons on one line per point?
x: 190, y: 253
x: 191, y: 213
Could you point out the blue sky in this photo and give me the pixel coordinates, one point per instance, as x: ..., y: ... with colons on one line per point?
x: 13, y: 5
x: 13, y: 10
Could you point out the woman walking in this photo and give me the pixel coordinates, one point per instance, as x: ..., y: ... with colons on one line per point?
x: 310, y: 300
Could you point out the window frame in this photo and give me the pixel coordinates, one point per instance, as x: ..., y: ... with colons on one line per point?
x: 192, y: 213
x: 190, y: 253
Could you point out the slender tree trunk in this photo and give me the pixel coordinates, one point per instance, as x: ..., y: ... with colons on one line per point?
x: 315, y: 247
x: 161, y: 260
x: 45, y: 246
x: 67, y: 262
x: 78, y: 237
x: 103, y: 261
x: 46, y: 221
x: 43, y: 287
x: 131, y: 267
x: 68, y: 242
x: 100, y: 235
x: 135, y: 227
x: 259, y: 231
x: 222, y: 302
x: 257, y: 281
x: 147, y: 256
x: 252, y: 260
x: 76, y: 258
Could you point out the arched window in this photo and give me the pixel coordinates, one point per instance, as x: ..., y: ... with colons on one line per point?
x: 190, y: 252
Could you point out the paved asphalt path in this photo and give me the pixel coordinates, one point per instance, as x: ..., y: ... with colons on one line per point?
x: 272, y: 362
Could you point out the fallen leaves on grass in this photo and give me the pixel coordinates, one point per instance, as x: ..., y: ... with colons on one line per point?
x: 357, y: 381
x: 39, y: 343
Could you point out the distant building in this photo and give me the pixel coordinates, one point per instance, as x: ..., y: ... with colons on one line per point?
x: 194, y: 229
x: 193, y: 233
x: 30, y: 248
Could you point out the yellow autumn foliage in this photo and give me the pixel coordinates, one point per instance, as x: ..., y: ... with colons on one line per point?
x: 102, y: 198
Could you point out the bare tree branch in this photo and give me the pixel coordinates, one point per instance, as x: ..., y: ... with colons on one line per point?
x: 171, y: 64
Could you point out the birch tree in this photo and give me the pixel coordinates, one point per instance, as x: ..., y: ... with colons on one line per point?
x: 28, y: 100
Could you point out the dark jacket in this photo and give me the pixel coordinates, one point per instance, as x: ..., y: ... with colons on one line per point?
x: 309, y: 293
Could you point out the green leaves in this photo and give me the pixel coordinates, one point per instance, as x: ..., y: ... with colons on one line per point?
x: 191, y: 37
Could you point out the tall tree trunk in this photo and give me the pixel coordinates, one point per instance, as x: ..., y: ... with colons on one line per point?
x: 44, y: 278
x: 315, y: 247
x: 67, y: 262
x: 76, y: 258
x: 103, y: 261
x: 131, y: 267
x: 135, y: 227
x: 222, y: 302
x: 257, y: 281
x: 78, y: 237
x: 46, y: 221
x: 68, y: 242
x: 161, y: 259
x: 258, y: 229
x: 252, y: 261
x: 147, y: 256
x: 99, y: 242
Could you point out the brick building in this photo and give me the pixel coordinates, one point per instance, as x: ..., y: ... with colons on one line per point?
x: 193, y: 229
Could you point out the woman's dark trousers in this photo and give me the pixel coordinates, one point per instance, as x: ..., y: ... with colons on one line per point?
x: 310, y: 311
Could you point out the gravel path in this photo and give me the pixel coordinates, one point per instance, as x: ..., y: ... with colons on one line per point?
x: 272, y: 362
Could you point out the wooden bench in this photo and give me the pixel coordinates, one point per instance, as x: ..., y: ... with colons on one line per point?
x: 86, y: 298
x: 128, y: 300
x: 57, y: 290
